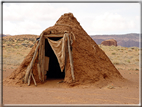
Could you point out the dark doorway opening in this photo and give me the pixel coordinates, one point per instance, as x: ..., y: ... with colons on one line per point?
x: 54, y: 71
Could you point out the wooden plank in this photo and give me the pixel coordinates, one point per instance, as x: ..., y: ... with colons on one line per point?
x: 33, y: 79
x: 39, y: 72
x: 33, y: 59
x: 29, y: 80
x: 43, y: 55
x: 31, y: 65
x: 70, y: 57
x: 40, y: 51
x: 41, y: 61
x: 46, y: 66
x: 66, y: 54
x: 54, y: 36
x: 36, y: 54
x: 40, y: 55
x: 28, y: 68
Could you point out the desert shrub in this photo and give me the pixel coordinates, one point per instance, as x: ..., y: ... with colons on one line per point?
x: 26, y: 44
x: 25, y: 38
x: 130, y: 50
x: 32, y: 39
x: 11, y: 40
x: 130, y: 57
x: 17, y: 46
x: 113, y: 53
x: 9, y: 43
x: 19, y: 53
x: 4, y: 41
x: 136, y: 69
x: 134, y: 48
x: 116, y: 62
x: 31, y: 46
x: 128, y: 61
x: 20, y: 40
x: 26, y: 41
x: 136, y: 59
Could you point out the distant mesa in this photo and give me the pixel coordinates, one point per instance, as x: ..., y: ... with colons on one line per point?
x: 124, y: 40
x: 109, y: 42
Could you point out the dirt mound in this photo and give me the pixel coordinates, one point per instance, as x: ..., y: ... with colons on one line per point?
x: 91, y: 65
x: 109, y: 42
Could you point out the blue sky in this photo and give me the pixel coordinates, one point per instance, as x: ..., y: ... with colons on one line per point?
x: 95, y: 18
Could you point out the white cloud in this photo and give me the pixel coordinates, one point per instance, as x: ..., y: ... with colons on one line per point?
x: 21, y: 27
x: 28, y: 17
x: 32, y: 11
x: 9, y: 27
x: 113, y: 22
x: 95, y: 18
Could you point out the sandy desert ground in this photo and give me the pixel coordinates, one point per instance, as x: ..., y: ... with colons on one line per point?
x: 53, y: 93
x: 126, y: 60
